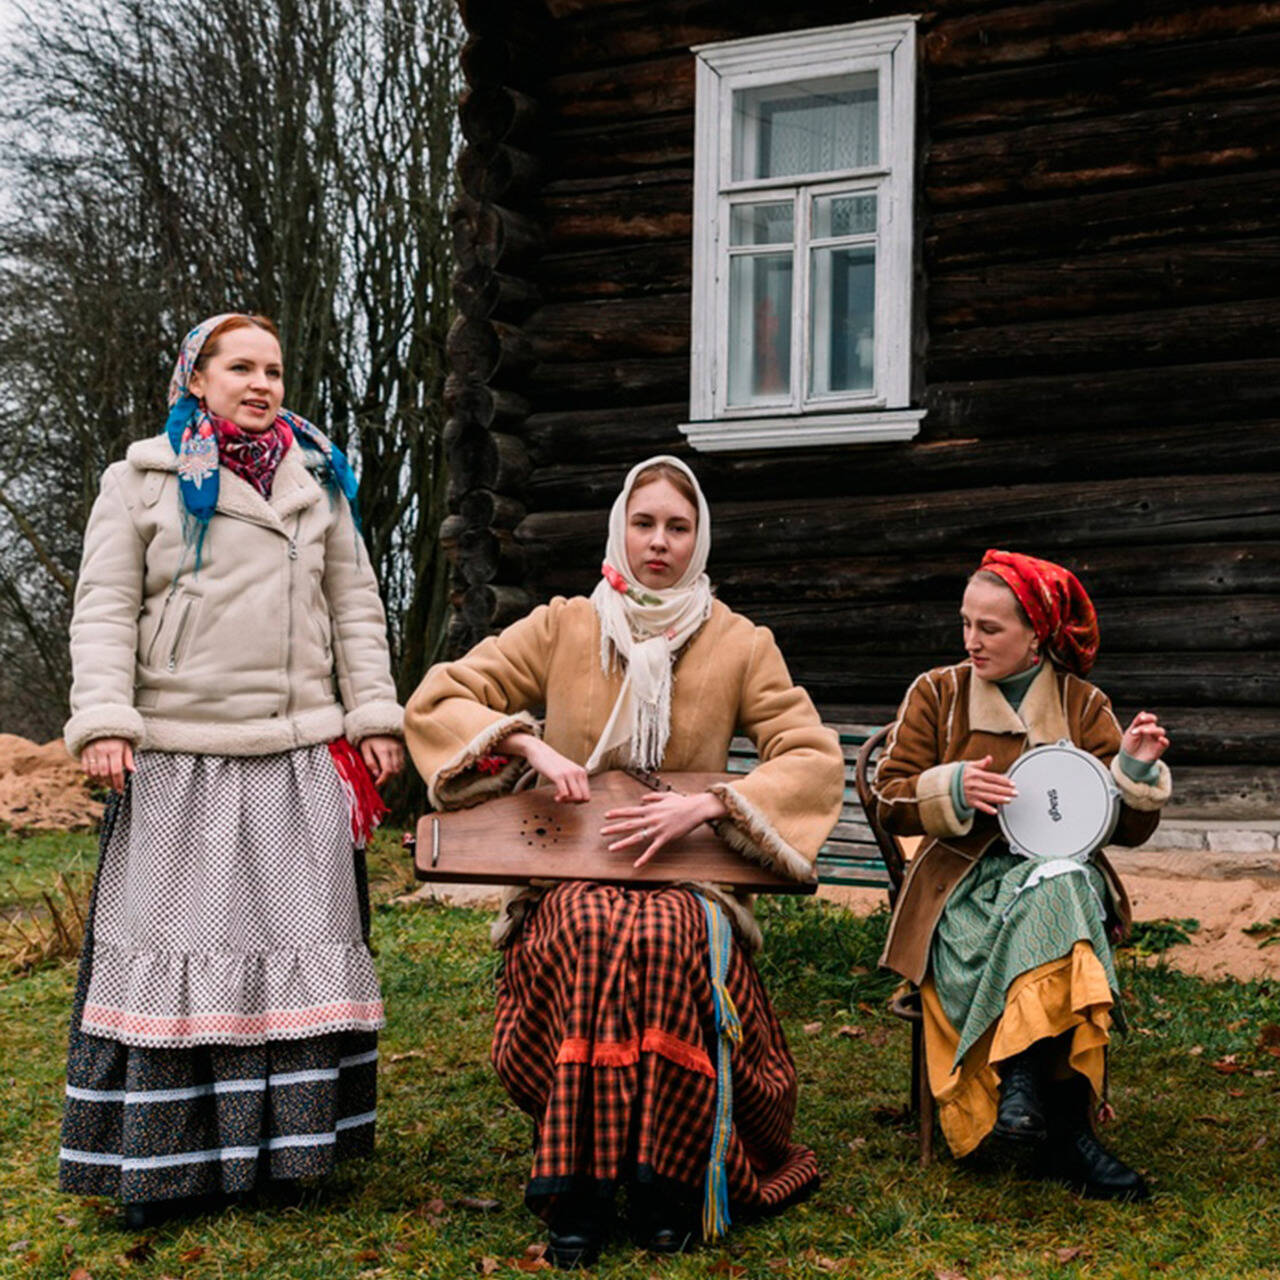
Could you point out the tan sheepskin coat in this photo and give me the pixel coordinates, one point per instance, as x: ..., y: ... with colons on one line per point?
x: 729, y: 679
x: 278, y: 642
x: 950, y: 715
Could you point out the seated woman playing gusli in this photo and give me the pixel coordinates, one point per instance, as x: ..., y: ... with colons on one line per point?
x: 1015, y: 970
x: 611, y: 1011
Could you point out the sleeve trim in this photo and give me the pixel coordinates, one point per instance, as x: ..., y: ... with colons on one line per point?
x: 1146, y: 797
x: 938, y: 814
x: 747, y: 831
x: 457, y: 786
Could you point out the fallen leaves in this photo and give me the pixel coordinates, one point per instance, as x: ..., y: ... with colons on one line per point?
x: 812, y: 1028
x: 481, y: 1204
x: 1228, y: 1066
x: 724, y: 1267
x: 140, y: 1250
x: 80, y: 1274
x: 193, y: 1254
x: 1068, y: 1254
x: 851, y: 1031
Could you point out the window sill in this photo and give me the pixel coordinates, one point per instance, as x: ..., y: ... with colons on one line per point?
x: 795, y: 431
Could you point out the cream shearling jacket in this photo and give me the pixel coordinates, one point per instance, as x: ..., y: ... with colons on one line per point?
x: 278, y: 642
x: 729, y: 679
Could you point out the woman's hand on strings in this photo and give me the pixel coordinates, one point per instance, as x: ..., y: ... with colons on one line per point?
x: 383, y: 757
x: 985, y: 790
x: 658, y: 819
x: 1146, y: 738
x: 570, y: 780
x: 105, y: 762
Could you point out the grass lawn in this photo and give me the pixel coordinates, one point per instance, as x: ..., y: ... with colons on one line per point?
x: 1195, y: 1085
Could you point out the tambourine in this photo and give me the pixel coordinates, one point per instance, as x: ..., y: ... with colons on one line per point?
x: 1067, y: 804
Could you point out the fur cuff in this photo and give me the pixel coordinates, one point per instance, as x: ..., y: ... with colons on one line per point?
x: 938, y: 814
x: 374, y: 720
x: 102, y: 722
x: 457, y: 785
x: 748, y: 832
x: 1143, y: 796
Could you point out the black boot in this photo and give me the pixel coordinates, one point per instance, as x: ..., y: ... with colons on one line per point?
x: 1075, y: 1157
x: 661, y: 1221
x: 579, y: 1224
x: 1020, y: 1117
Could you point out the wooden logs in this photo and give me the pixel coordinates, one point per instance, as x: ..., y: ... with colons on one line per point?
x: 492, y: 114
x: 657, y: 325
x: 482, y: 405
x: 495, y: 243
x: 482, y: 294
x: 497, y: 173
x: 489, y: 351
x: 493, y: 236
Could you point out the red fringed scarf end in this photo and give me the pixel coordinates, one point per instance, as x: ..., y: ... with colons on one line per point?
x: 363, y: 800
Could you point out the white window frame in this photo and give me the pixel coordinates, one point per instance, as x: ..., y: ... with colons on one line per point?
x: 888, y: 47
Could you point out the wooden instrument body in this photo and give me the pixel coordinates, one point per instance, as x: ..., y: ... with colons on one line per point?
x: 527, y: 837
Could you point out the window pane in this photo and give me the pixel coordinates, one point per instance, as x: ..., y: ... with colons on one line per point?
x: 843, y: 216
x: 806, y: 126
x: 843, y: 318
x: 760, y: 223
x: 759, y: 327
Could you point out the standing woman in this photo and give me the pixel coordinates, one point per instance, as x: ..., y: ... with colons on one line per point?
x: 229, y: 653
x: 1014, y: 967
x: 610, y: 1012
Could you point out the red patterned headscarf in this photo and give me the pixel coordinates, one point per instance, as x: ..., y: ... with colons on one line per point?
x: 1058, y: 607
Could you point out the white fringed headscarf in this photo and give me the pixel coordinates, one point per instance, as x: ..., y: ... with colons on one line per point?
x: 643, y: 627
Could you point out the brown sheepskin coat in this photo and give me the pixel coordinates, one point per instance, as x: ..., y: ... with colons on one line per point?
x: 951, y: 715
x: 729, y: 679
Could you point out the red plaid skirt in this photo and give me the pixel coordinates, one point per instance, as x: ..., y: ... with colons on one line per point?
x: 606, y: 1036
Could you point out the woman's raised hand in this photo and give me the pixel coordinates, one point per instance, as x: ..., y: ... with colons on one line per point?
x: 569, y: 779
x: 985, y: 790
x: 1145, y: 739
x: 105, y: 762
x: 659, y: 819
x: 383, y: 757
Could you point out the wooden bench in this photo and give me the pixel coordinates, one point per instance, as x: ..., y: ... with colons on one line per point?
x: 852, y: 855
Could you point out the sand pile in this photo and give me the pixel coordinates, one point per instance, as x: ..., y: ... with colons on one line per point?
x: 42, y: 788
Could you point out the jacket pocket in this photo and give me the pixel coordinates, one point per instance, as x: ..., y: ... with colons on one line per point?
x: 174, y: 633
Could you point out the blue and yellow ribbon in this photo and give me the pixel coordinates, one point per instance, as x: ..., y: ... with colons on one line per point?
x: 715, y: 1203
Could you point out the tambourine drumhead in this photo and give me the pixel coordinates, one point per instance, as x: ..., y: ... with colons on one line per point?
x: 1067, y: 804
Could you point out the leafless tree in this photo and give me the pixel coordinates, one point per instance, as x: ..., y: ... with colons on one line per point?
x: 163, y: 163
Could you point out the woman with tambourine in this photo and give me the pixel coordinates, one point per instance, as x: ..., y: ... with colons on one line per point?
x: 1012, y: 955
x: 613, y: 1001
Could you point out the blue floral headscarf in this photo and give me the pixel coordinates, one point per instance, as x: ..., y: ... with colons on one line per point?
x: 191, y: 432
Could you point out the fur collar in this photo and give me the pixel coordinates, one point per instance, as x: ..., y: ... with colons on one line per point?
x: 1040, y: 717
x: 293, y: 490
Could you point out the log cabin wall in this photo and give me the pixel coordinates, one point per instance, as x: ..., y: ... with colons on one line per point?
x: 1099, y: 266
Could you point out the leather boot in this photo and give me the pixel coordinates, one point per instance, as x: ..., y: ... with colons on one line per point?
x: 1020, y: 1117
x: 661, y: 1222
x: 1075, y: 1157
x: 579, y: 1224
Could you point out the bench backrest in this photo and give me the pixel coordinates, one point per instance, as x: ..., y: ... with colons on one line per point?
x: 856, y: 852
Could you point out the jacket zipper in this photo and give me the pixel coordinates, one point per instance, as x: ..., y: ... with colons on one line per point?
x: 177, y: 636
x: 288, y: 635
x: 164, y: 612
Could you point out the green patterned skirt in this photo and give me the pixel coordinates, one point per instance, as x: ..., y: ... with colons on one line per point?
x: 996, y: 926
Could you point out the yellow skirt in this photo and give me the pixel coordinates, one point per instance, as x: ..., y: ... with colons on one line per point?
x: 1068, y: 994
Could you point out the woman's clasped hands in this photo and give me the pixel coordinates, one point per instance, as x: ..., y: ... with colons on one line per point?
x: 657, y: 821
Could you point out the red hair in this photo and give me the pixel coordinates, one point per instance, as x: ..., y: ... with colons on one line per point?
x: 210, y: 348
